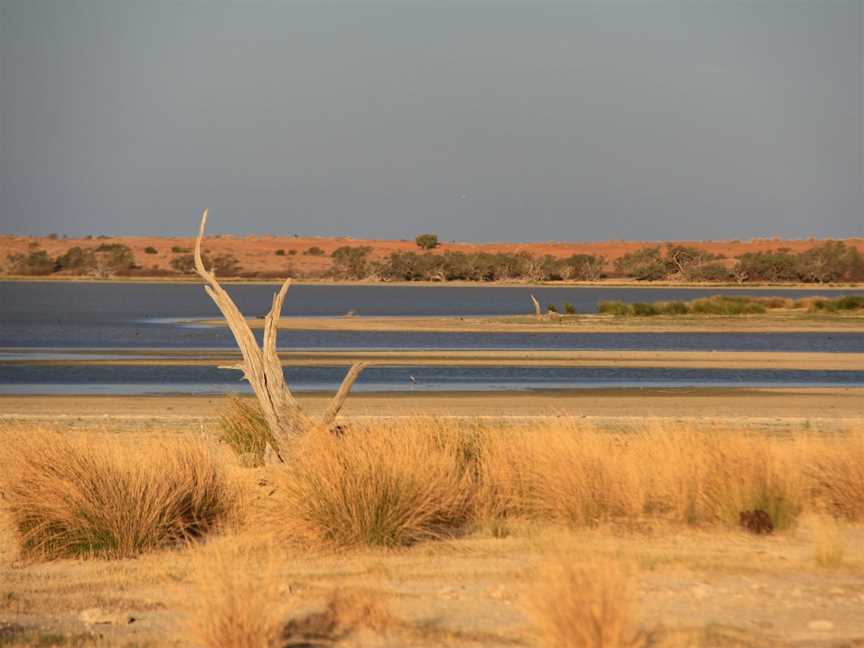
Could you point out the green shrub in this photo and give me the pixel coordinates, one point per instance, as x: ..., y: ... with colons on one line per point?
x: 847, y: 303
x: 34, y: 263
x: 150, y: 250
x: 672, y: 308
x: 569, y: 308
x: 427, y: 241
x: 619, y: 309
x: 641, y: 309
x: 176, y: 249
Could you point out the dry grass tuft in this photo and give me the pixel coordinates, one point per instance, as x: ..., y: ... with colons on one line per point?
x: 391, y: 484
x: 583, y: 477
x: 835, y: 470
x: 239, y: 604
x: 829, y: 548
x: 585, y: 605
x: 245, y: 430
x: 67, y: 496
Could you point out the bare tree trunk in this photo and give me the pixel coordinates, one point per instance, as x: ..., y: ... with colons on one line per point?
x: 261, y: 366
x: 537, y: 312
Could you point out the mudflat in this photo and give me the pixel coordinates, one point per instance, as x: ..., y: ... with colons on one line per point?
x: 771, y: 322
x: 792, y: 404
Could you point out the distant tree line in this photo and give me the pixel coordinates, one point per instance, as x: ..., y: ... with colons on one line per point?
x: 829, y: 262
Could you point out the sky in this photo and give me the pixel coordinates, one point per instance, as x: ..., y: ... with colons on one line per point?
x: 479, y: 121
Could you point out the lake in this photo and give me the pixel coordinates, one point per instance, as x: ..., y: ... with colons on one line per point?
x: 39, y: 318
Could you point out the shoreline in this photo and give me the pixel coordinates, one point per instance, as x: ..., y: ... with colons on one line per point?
x: 580, y: 323
x: 616, y: 283
x: 816, y: 361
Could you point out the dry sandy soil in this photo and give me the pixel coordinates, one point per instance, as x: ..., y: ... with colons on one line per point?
x: 258, y: 253
x: 768, y: 409
x: 773, y: 321
x: 694, y: 587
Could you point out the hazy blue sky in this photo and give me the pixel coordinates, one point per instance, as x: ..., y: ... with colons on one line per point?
x: 477, y: 120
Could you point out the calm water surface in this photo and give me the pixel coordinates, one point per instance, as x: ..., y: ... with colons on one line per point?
x: 51, y: 320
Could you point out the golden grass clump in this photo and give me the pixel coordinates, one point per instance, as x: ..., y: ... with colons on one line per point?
x: 582, y: 476
x: 245, y: 430
x: 79, y: 496
x: 391, y: 484
x: 835, y: 470
x: 560, y: 472
x: 585, y: 605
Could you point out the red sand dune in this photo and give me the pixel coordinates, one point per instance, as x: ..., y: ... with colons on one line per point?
x: 258, y: 253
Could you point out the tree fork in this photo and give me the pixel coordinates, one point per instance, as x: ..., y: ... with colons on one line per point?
x: 261, y: 366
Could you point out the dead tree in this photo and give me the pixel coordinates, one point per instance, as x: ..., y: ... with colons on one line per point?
x: 261, y: 365
x: 537, y: 311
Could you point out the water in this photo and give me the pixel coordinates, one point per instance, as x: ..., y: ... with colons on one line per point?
x: 68, y: 315
x: 50, y: 379
x: 59, y: 321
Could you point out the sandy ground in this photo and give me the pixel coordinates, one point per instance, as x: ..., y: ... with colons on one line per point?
x: 694, y: 588
x: 770, y: 409
x: 771, y: 322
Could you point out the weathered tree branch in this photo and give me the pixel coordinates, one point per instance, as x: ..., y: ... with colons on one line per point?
x: 261, y: 365
x: 537, y: 312
x: 344, y: 389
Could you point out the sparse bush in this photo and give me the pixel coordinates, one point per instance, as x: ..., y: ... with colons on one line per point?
x: 280, y: 252
x: 551, y: 308
x: 708, y: 272
x: 641, y: 309
x: 177, y: 249
x: 70, y: 497
x: 723, y: 305
x: 77, y: 259
x: 672, y: 308
x: 292, y: 252
x: 569, y: 308
x: 847, y: 303
x: 314, y: 251
x: 351, y: 262
x: 619, y: 309
x: 583, y: 267
x: 150, y: 250
x: 35, y: 263
x: 646, y: 264
x: 184, y: 263
x: 427, y: 241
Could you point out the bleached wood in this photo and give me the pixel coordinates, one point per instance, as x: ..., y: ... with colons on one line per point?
x: 261, y: 366
x: 537, y: 312
x: 338, y: 401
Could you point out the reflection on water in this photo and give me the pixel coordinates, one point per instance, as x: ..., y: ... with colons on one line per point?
x: 202, y: 379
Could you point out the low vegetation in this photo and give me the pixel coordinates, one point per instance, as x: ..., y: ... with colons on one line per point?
x: 387, y: 485
x: 731, y: 305
x: 244, y: 429
x: 585, y: 605
x: 69, y: 497
x: 829, y: 262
